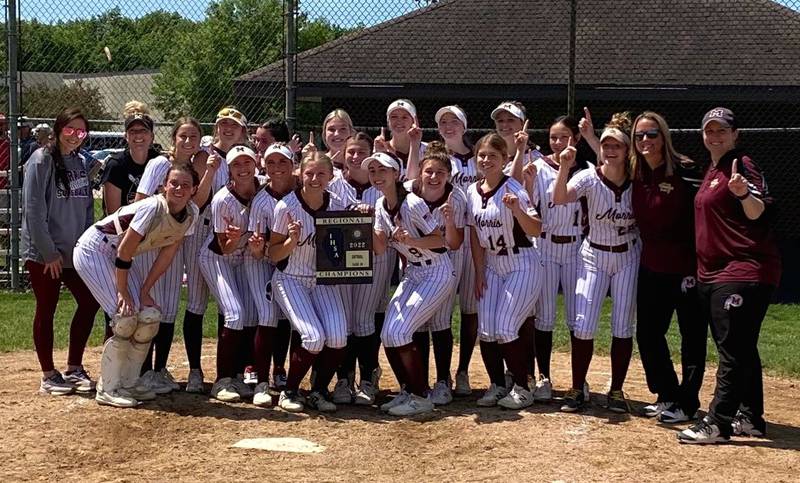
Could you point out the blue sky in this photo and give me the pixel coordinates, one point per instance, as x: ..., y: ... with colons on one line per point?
x: 368, y: 12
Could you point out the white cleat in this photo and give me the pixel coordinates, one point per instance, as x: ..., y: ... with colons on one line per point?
x: 225, y: 391
x: 412, y: 406
x: 115, y: 399
x: 365, y: 396
x: 517, y: 398
x: 491, y: 396
x: 262, y: 397
x: 440, y: 394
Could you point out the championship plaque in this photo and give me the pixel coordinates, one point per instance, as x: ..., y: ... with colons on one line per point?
x: 344, y: 247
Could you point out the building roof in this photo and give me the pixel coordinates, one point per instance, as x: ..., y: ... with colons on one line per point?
x: 526, y: 42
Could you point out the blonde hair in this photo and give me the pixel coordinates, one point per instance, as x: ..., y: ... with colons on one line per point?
x: 668, y: 152
x: 340, y: 114
x: 135, y: 107
x: 316, y: 157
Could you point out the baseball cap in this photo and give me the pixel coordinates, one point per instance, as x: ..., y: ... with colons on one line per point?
x: 612, y: 132
x: 237, y: 151
x: 232, y: 114
x: 279, y: 149
x: 141, y: 118
x: 384, y: 159
x: 403, y: 104
x: 24, y: 122
x: 722, y: 115
x: 454, y: 110
x: 510, y: 108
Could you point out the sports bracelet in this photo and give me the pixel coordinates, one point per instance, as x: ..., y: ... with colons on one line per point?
x: 120, y: 263
x: 743, y: 197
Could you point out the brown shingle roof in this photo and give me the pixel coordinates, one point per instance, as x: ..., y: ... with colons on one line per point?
x: 657, y: 42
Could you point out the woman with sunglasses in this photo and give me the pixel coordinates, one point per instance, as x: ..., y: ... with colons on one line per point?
x: 57, y: 208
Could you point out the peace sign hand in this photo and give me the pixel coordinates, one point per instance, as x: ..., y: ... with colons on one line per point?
x: 738, y: 183
x: 295, y: 145
x: 585, y: 124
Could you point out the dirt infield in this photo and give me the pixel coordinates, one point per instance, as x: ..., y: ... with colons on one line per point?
x: 189, y: 437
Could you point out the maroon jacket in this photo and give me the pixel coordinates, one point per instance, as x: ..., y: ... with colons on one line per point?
x: 731, y: 247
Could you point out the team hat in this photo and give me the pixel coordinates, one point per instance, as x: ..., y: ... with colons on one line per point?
x: 385, y: 159
x: 280, y: 149
x: 612, y: 132
x: 721, y: 115
x: 454, y: 110
x: 24, y: 122
x: 232, y: 114
x: 240, y: 150
x: 510, y: 108
x: 141, y: 118
x: 403, y: 104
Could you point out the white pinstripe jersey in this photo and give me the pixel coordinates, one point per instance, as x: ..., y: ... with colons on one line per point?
x: 226, y: 207
x: 497, y: 229
x: 562, y: 220
x: 459, y: 203
x: 302, y: 261
x: 465, y: 170
x: 415, y: 217
x: 155, y: 174
x: 351, y: 193
x: 262, y: 210
x: 611, y: 220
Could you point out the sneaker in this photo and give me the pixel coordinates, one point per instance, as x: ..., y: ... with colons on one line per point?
x: 543, y: 390
x: 509, y: 378
x: 115, y: 399
x: 250, y: 376
x: 675, y: 414
x: 616, y: 402
x: 153, y: 381
x: 412, y: 405
x: 194, y: 383
x: 168, y: 380
x: 262, y: 397
x: 319, y: 401
x: 517, y: 398
x: 440, y: 394
x: 491, y: 396
x: 290, y: 401
x: 462, y: 384
x: 140, y: 393
x: 80, y: 379
x: 743, y: 426
x: 343, y: 393
x: 225, y: 391
x: 655, y: 409
x: 55, y: 385
x: 396, y: 401
x: 278, y: 383
x: 574, y: 400
x: 365, y: 396
x: 245, y: 391
x: 704, y: 432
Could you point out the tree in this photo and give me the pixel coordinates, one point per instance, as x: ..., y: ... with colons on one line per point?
x: 42, y: 101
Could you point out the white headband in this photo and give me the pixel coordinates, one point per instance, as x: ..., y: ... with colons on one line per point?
x: 454, y: 110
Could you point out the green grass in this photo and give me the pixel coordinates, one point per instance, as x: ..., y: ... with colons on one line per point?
x: 779, y: 341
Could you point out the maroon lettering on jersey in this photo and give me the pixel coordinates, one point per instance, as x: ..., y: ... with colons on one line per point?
x: 663, y: 206
x: 731, y: 247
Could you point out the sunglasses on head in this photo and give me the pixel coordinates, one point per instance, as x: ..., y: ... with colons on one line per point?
x: 650, y: 134
x: 71, y: 131
x: 228, y: 112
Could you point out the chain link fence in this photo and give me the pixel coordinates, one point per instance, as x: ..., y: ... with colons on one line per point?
x: 676, y: 57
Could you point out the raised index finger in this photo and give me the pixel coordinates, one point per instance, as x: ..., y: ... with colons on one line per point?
x: 525, y: 126
x: 735, y: 167
x: 311, y: 137
x: 587, y: 114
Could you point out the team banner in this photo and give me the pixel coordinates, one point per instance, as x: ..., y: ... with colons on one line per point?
x: 344, y: 247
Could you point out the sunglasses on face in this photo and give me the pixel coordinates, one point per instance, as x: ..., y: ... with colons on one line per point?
x: 651, y: 134
x: 78, y: 132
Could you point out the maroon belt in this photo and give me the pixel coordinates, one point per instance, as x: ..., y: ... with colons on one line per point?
x: 560, y: 238
x: 613, y: 248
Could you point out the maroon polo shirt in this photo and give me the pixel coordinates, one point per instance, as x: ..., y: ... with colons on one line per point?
x: 663, y: 209
x: 731, y: 247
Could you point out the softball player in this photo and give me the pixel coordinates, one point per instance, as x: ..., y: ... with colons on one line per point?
x: 452, y: 124
x: 315, y: 311
x: 609, y: 256
x: 507, y: 269
x: 404, y: 220
x: 365, y: 304
x: 336, y: 129
x: 222, y: 263
x: 279, y: 163
x: 401, y: 117
x: 562, y: 229
x: 158, y: 224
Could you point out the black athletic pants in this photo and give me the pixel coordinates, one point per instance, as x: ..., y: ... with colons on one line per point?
x: 659, y: 296
x: 737, y: 310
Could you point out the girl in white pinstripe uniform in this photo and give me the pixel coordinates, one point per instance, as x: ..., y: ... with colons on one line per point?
x: 315, y: 311
x: 222, y: 263
x: 609, y: 257
x: 337, y: 127
x: 507, y: 266
x: 404, y: 220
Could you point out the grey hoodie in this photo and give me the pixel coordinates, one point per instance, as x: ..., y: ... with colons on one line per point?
x: 51, y: 221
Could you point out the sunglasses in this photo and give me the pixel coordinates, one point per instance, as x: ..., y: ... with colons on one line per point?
x: 228, y: 112
x: 78, y: 132
x: 651, y: 134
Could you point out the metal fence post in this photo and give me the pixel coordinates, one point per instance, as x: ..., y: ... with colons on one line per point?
x: 13, y: 117
x: 290, y: 58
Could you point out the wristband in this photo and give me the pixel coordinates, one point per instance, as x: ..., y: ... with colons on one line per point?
x: 120, y: 263
x: 743, y: 197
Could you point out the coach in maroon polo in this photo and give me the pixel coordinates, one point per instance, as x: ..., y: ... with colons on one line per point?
x: 738, y: 269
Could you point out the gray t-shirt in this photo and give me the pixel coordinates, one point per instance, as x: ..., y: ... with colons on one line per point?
x: 52, y: 222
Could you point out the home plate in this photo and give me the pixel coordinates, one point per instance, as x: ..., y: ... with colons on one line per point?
x: 290, y: 445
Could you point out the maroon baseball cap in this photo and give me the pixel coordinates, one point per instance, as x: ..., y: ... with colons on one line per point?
x: 722, y: 115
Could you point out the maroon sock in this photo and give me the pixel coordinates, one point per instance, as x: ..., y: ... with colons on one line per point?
x: 298, y: 367
x: 330, y: 359
x: 544, y: 348
x: 527, y: 333
x: 396, y: 365
x: 442, y: 353
x: 46, y: 292
x: 227, y: 347
x: 280, y: 344
x: 621, y: 350
x: 262, y: 351
x: 493, y: 361
x: 412, y: 365
x: 193, y: 338
x: 423, y: 342
x: 581, y: 356
x: 517, y: 359
x: 467, y: 337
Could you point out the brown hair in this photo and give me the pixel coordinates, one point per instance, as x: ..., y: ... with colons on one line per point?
x: 437, y: 152
x: 494, y: 141
x: 64, y: 117
x: 316, y: 157
x: 184, y: 168
x: 361, y: 137
x: 668, y: 153
x: 178, y: 124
